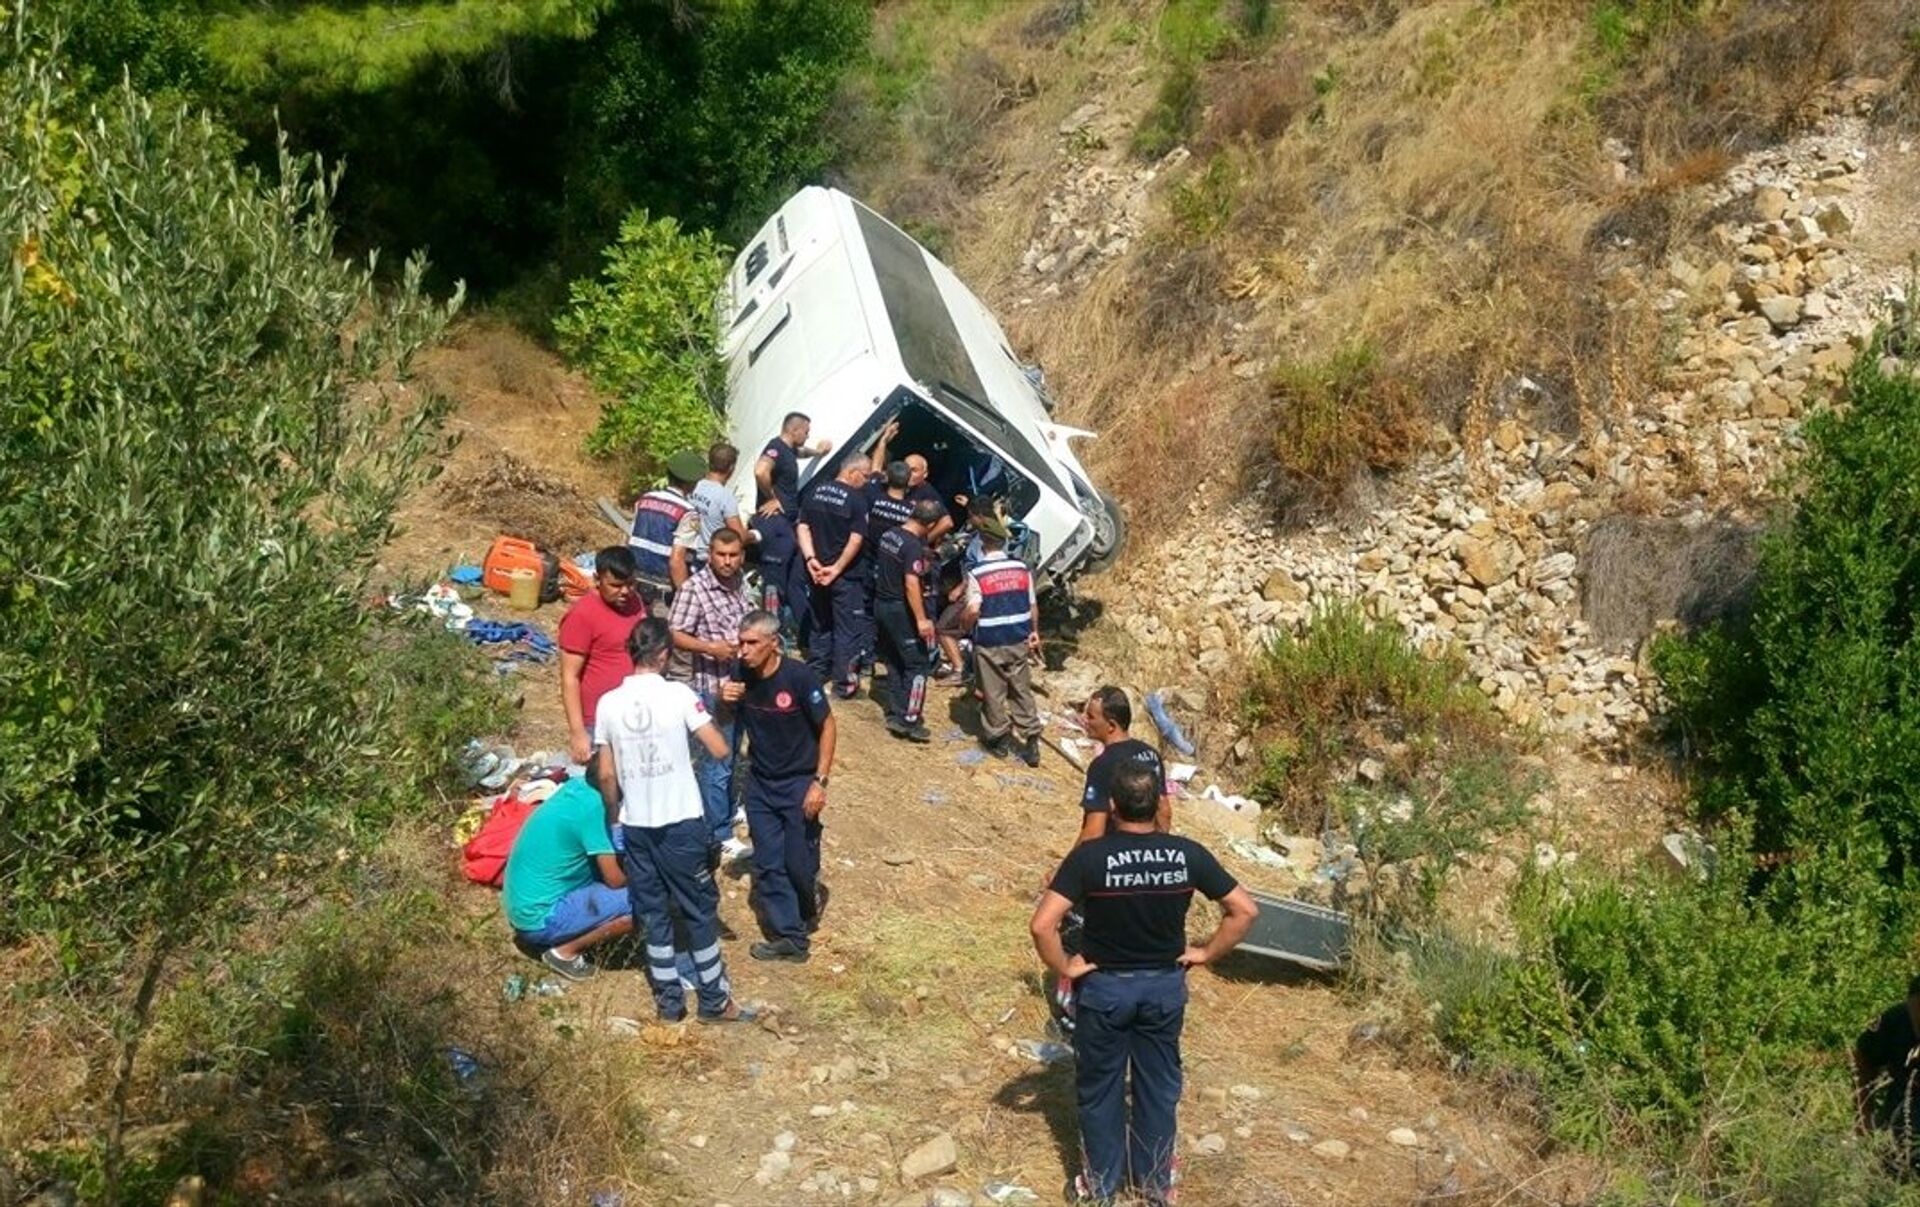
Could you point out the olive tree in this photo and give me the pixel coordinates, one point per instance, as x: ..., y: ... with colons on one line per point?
x: 207, y: 427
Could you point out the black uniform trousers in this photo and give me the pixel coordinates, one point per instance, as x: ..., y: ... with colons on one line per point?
x: 906, y: 661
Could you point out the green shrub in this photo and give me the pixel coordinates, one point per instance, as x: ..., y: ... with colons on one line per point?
x: 1808, y: 711
x: 1347, y: 688
x: 646, y: 333
x: 1336, y: 419
x: 1692, y: 1019
x: 1202, y: 203
x: 1189, y: 33
x: 205, y: 437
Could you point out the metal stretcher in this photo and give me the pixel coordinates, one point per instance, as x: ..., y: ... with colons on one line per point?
x: 1298, y: 932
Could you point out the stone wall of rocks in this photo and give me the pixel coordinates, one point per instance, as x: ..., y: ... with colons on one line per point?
x: 1480, y: 549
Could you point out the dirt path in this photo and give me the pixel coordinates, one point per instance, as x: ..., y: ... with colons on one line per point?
x: 905, y: 1024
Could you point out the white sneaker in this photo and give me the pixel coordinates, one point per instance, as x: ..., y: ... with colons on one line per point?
x: 732, y: 849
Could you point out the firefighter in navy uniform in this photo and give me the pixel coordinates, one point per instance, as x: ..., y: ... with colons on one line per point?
x: 833, y: 537
x: 1106, y: 717
x: 889, y: 505
x: 783, y: 580
x: 1134, y: 884
x: 1886, y: 1075
x: 665, y: 525
x: 901, y: 569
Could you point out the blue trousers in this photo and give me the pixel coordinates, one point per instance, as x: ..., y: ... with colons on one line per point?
x: 716, y: 775
x: 786, y: 855
x: 667, y: 873
x: 837, y: 629
x: 783, y: 574
x: 1126, y: 1043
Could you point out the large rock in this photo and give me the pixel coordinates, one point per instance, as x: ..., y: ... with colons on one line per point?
x: 1783, y: 312
x: 1280, y: 588
x: 1487, y: 562
x: 1770, y: 204
x: 936, y: 1156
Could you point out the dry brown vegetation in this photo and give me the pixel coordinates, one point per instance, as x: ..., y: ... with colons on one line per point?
x: 1427, y: 180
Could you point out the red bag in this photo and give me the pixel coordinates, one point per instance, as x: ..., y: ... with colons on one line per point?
x: 484, y: 858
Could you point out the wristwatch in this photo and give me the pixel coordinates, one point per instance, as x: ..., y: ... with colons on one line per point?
x: 820, y: 780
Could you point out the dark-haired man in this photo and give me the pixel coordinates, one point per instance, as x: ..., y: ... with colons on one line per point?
x: 714, y: 499
x: 900, y: 610
x: 1886, y: 1074
x: 888, y: 507
x: 833, y: 535
x: 593, y: 643
x: 706, y: 638
x: 1134, y: 885
x: 790, y: 740
x: 1106, y: 716
x: 783, y: 579
x: 645, y: 776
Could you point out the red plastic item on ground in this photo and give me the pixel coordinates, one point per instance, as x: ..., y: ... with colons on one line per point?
x: 484, y: 859
x: 510, y: 553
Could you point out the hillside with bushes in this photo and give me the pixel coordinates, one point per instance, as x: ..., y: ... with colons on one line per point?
x: 1513, y: 405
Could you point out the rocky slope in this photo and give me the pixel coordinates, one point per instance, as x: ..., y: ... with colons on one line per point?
x: 1489, y: 545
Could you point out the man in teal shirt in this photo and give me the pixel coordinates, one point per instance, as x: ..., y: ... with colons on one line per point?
x: 552, y: 896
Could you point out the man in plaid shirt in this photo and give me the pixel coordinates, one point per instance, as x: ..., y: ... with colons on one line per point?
x: 706, y: 641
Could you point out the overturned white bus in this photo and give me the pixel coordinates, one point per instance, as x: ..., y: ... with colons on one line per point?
x: 833, y: 311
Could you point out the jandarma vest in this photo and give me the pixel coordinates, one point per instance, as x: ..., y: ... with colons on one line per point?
x: 1006, y: 604
x: 655, y: 518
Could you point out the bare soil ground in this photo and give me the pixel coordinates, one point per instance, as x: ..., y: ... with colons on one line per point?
x: 904, y: 1024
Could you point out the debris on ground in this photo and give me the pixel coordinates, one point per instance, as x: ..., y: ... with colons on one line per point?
x: 1258, y: 853
x: 1043, y: 1051
x: 1168, y: 727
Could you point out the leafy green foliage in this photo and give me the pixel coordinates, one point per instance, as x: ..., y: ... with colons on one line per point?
x: 343, y: 1012
x: 544, y: 121
x: 1681, y: 1013
x: 645, y: 331
x: 1347, y: 688
x: 1810, y: 709
x: 207, y: 431
x: 192, y: 493
x: 323, y: 47
x: 1202, y: 203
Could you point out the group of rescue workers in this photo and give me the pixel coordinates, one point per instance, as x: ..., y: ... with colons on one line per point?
x: 669, y: 667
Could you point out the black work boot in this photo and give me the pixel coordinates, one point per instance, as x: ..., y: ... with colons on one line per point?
x: 1030, y: 752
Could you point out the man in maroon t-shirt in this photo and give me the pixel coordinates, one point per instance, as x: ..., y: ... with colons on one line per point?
x: 593, y: 643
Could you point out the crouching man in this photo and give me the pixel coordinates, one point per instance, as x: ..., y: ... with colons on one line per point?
x: 645, y: 772
x: 1134, y: 885
x: 564, y: 890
